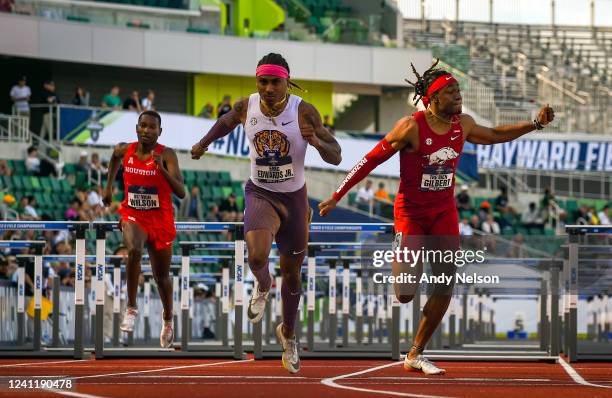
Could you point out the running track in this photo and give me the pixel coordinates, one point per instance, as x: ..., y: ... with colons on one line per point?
x: 319, y: 378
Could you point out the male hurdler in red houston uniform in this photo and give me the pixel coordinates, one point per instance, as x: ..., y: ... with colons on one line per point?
x: 430, y: 143
x: 151, y: 174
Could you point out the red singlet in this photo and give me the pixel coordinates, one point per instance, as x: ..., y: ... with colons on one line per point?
x: 425, y: 203
x: 148, y: 198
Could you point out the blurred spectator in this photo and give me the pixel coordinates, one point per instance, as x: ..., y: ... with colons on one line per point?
x: 81, y: 97
x: 547, y: 199
x: 365, y: 196
x: 229, y: 209
x: 72, y: 213
x: 112, y: 100
x: 604, y: 216
x: 327, y: 124
x: 5, y: 170
x: 485, y: 210
x: 7, y: 5
x: 20, y: 95
x: 207, y: 111
x: 30, y: 208
x: 83, y: 164
x: 382, y: 194
x: 582, y: 216
x: 213, y: 214
x: 132, y: 103
x: 501, y: 202
x: 593, y: 217
x: 463, y: 199
x: 148, y: 103
x: 32, y: 162
x: 465, y: 228
x: 48, y: 97
x: 224, y: 106
x: 191, y: 205
x: 531, y: 218
x: 94, y: 196
x: 490, y: 226
x: 98, y: 169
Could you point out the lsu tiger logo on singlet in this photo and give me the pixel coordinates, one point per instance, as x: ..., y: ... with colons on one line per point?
x: 273, y: 163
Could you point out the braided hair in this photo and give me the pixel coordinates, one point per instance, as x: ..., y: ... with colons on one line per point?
x: 277, y: 59
x: 423, y: 82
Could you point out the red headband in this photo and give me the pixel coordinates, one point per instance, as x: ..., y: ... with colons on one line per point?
x: 272, y: 70
x: 438, y: 84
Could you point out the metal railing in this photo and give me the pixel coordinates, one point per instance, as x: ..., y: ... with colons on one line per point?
x: 477, y: 96
x: 14, y: 128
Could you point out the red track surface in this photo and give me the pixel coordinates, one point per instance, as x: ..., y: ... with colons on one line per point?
x: 318, y: 378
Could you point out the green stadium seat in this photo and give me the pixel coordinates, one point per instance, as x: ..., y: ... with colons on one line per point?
x: 217, y: 193
x: 18, y: 184
x: 19, y: 167
x: 69, y: 169
x: 351, y: 198
x: 45, y: 184
x: 6, y: 182
x: 225, y: 177
x: 66, y: 187
x: 226, y: 191
x: 35, y: 182
x: 190, y: 177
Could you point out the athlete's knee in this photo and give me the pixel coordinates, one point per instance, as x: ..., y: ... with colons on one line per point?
x: 258, y: 259
x: 160, y: 275
x: 135, y: 253
x: 404, y: 298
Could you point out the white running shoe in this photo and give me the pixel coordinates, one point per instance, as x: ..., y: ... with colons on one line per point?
x: 422, y: 363
x: 291, y: 357
x: 129, y: 318
x: 166, y: 337
x: 257, y: 304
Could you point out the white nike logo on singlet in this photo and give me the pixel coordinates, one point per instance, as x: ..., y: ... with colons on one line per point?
x: 448, y: 78
x: 455, y: 137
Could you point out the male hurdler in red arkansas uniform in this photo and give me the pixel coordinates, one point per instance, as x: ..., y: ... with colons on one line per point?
x: 430, y: 143
x: 151, y: 174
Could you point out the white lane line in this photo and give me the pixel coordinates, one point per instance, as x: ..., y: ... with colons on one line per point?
x: 576, y: 377
x: 437, y: 379
x: 81, y: 395
x: 222, y: 377
x: 74, y: 394
x: 331, y: 382
x: 40, y: 363
x: 201, y: 365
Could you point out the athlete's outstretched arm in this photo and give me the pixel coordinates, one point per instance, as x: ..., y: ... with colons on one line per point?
x: 477, y: 134
x: 403, y: 135
x: 317, y: 135
x: 113, y: 168
x: 224, y: 125
x: 167, y: 164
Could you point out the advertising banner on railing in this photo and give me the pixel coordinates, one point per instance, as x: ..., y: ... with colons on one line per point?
x: 181, y: 132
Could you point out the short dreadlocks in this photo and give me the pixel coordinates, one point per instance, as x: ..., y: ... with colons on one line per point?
x: 423, y: 82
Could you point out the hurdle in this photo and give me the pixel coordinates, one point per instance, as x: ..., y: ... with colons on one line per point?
x: 79, y: 228
x: 21, y: 318
x: 102, y: 228
x: 585, y: 273
x: 237, y: 351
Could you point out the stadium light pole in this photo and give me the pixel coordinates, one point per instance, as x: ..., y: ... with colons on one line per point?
x: 592, y: 6
x: 491, y: 12
x: 552, y: 13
